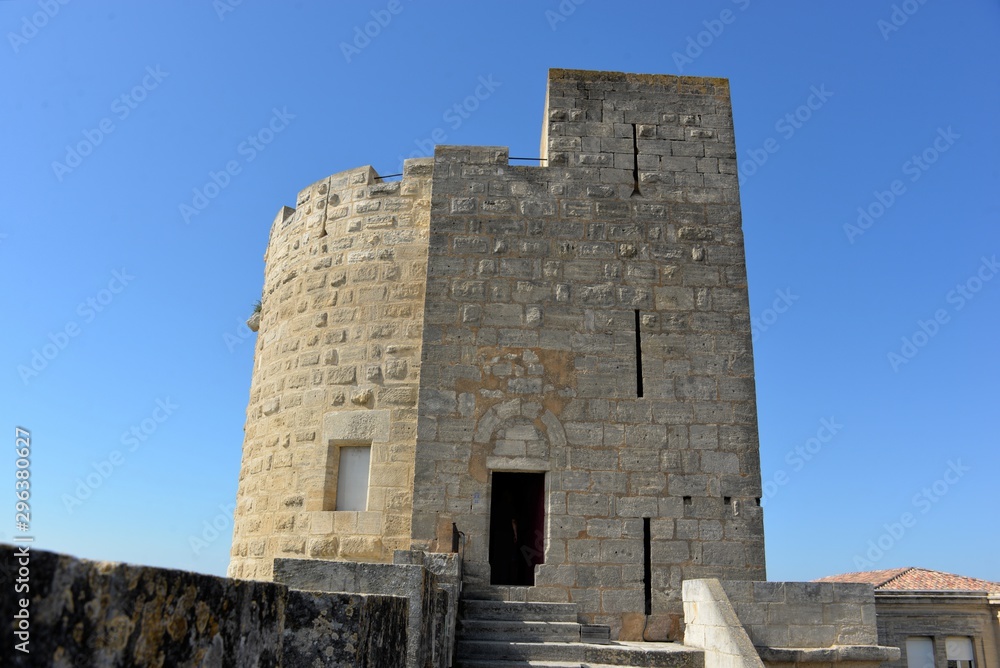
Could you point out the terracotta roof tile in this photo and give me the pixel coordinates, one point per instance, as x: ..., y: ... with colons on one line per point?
x: 915, y: 579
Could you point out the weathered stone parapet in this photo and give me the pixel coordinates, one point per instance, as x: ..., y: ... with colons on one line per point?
x: 110, y: 615
x: 806, y: 614
x: 432, y: 611
x: 799, y: 624
x: 710, y: 623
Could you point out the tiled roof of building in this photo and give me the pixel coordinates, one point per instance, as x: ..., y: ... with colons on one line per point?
x: 915, y: 579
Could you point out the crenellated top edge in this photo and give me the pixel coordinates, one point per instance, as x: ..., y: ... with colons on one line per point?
x: 667, y: 80
x: 335, y: 188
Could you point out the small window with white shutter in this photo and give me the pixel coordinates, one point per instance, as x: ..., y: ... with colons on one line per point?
x: 958, y: 650
x: 919, y: 652
x: 347, y: 471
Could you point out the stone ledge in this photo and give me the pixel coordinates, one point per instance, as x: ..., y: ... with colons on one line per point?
x: 837, y: 654
x: 951, y: 595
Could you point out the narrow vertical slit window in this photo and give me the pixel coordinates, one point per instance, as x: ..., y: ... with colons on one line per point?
x: 647, y: 566
x: 635, y: 163
x: 638, y: 354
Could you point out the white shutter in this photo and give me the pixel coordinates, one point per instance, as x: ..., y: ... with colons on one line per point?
x: 958, y: 648
x: 352, y: 478
x: 919, y: 652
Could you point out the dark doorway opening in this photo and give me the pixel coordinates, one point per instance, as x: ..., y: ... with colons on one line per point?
x: 517, y: 527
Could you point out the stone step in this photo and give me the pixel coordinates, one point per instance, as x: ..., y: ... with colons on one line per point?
x: 637, y: 655
x: 517, y: 630
x: 496, y: 592
x: 595, y: 633
x: 514, y: 611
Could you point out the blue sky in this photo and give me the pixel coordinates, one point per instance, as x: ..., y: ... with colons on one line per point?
x: 868, y: 144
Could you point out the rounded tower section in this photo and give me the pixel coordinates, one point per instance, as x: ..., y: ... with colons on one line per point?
x: 328, y: 453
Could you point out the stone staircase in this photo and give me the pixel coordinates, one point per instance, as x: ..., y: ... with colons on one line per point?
x: 505, y: 634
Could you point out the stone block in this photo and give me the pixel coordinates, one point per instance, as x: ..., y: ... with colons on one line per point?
x: 674, y: 298
x: 810, y: 633
x: 769, y: 592
x: 321, y: 522
x: 613, y: 551
x: 343, y: 375
x: 371, y: 426
x: 622, y: 600
x: 724, y: 553
x: 438, y: 402
x: 670, y: 551
x: 360, y: 548
x: 808, y: 592
x: 583, y: 551
x: 588, y: 504
x: 636, y: 506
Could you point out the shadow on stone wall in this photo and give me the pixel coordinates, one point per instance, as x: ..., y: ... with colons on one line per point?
x: 86, y: 613
x: 429, y: 581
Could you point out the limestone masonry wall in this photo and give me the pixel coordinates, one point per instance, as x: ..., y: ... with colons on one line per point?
x: 337, y: 363
x: 805, y: 614
x: 481, y: 317
x: 535, y: 279
x: 783, y: 624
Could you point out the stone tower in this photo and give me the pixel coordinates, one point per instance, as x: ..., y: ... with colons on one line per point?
x: 554, y: 359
